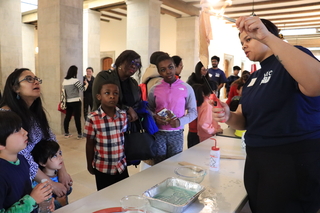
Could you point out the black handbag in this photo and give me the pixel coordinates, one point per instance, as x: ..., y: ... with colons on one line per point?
x: 138, y: 144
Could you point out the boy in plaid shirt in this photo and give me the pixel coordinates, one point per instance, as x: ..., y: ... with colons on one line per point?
x: 104, y: 130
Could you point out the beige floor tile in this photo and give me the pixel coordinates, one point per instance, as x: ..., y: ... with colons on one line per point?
x: 64, y: 148
x: 85, y: 178
x: 75, y: 161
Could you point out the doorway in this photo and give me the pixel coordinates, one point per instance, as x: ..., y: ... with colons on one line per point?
x: 107, y: 63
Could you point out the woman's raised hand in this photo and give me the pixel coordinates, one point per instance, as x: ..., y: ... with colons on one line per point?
x: 253, y: 26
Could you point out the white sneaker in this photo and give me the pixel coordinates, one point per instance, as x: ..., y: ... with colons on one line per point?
x: 67, y: 135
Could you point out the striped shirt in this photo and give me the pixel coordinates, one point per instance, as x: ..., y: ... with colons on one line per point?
x: 108, y: 133
x: 72, y: 87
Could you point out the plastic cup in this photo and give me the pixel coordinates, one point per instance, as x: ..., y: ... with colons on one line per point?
x: 134, y: 204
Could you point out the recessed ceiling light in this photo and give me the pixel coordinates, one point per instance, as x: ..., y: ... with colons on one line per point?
x: 299, y: 31
x: 313, y: 48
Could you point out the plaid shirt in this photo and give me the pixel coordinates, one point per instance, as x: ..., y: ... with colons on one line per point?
x: 108, y: 133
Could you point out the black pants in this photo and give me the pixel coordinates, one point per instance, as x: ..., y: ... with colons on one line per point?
x: 87, y: 102
x: 73, y: 108
x: 103, y: 180
x: 285, y: 178
x: 193, y: 139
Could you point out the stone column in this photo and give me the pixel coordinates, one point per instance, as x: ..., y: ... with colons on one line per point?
x: 60, y: 41
x: 10, y: 38
x: 188, y: 44
x: 28, y: 48
x: 91, y: 40
x: 143, y: 28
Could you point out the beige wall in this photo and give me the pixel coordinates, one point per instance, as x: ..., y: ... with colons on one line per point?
x: 113, y: 36
x: 168, y: 34
x: 28, y: 47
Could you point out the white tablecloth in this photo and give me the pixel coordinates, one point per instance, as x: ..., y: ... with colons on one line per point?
x: 227, y: 183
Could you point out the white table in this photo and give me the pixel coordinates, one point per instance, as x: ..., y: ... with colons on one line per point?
x: 228, y: 182
x: 228, y: 132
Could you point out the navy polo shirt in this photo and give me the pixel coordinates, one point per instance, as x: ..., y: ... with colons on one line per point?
x: 275, y: 110
x: 217, y: 75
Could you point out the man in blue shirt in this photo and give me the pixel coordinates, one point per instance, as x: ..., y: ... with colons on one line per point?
x: 217, y: 74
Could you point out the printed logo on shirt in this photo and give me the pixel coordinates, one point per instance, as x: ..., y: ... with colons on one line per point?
x: 266, y: 77
x: 217, y: 75
x: 181, y: 88
x: 252, y: 82
x: 210, y: 75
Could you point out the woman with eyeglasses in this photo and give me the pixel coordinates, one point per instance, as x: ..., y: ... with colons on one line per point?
x: 72, y: 86
x: 22, y: 95
x: 126, y: 65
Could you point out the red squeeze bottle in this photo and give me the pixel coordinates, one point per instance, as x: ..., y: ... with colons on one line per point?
x: 216, y: 102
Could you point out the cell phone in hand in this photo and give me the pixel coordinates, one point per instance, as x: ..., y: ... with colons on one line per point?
x: 168, y: 114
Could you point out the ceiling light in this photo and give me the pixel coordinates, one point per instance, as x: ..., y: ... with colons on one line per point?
x: 208, y: 7
x: 313, y: 48
x: 299, y: 31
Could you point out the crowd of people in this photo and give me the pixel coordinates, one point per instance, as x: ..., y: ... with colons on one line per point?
x: 278, y: 106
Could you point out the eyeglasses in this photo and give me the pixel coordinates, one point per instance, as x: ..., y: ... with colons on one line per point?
x: 137, y: 64
x: 31, y: 79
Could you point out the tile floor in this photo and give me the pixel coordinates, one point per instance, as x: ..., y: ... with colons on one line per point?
x: 75, y: 161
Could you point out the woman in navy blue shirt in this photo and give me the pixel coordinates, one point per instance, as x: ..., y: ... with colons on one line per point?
x: 280, y: 109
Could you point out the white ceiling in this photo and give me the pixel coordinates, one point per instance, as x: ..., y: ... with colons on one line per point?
x: 27, y: 5
x: 286, y: 14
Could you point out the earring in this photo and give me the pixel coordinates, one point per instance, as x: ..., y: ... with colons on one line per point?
x: 18, y: 96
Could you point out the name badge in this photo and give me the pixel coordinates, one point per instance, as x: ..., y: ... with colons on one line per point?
x: 252, y: 82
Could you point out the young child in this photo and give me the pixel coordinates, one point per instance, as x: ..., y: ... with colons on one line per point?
x: 105, y: 130
x: 207, y: 126
x: 16, y: 193
x: 177, y: 97
x: 199, y: 76
x: 236, y: 99
x: 48, y: 155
